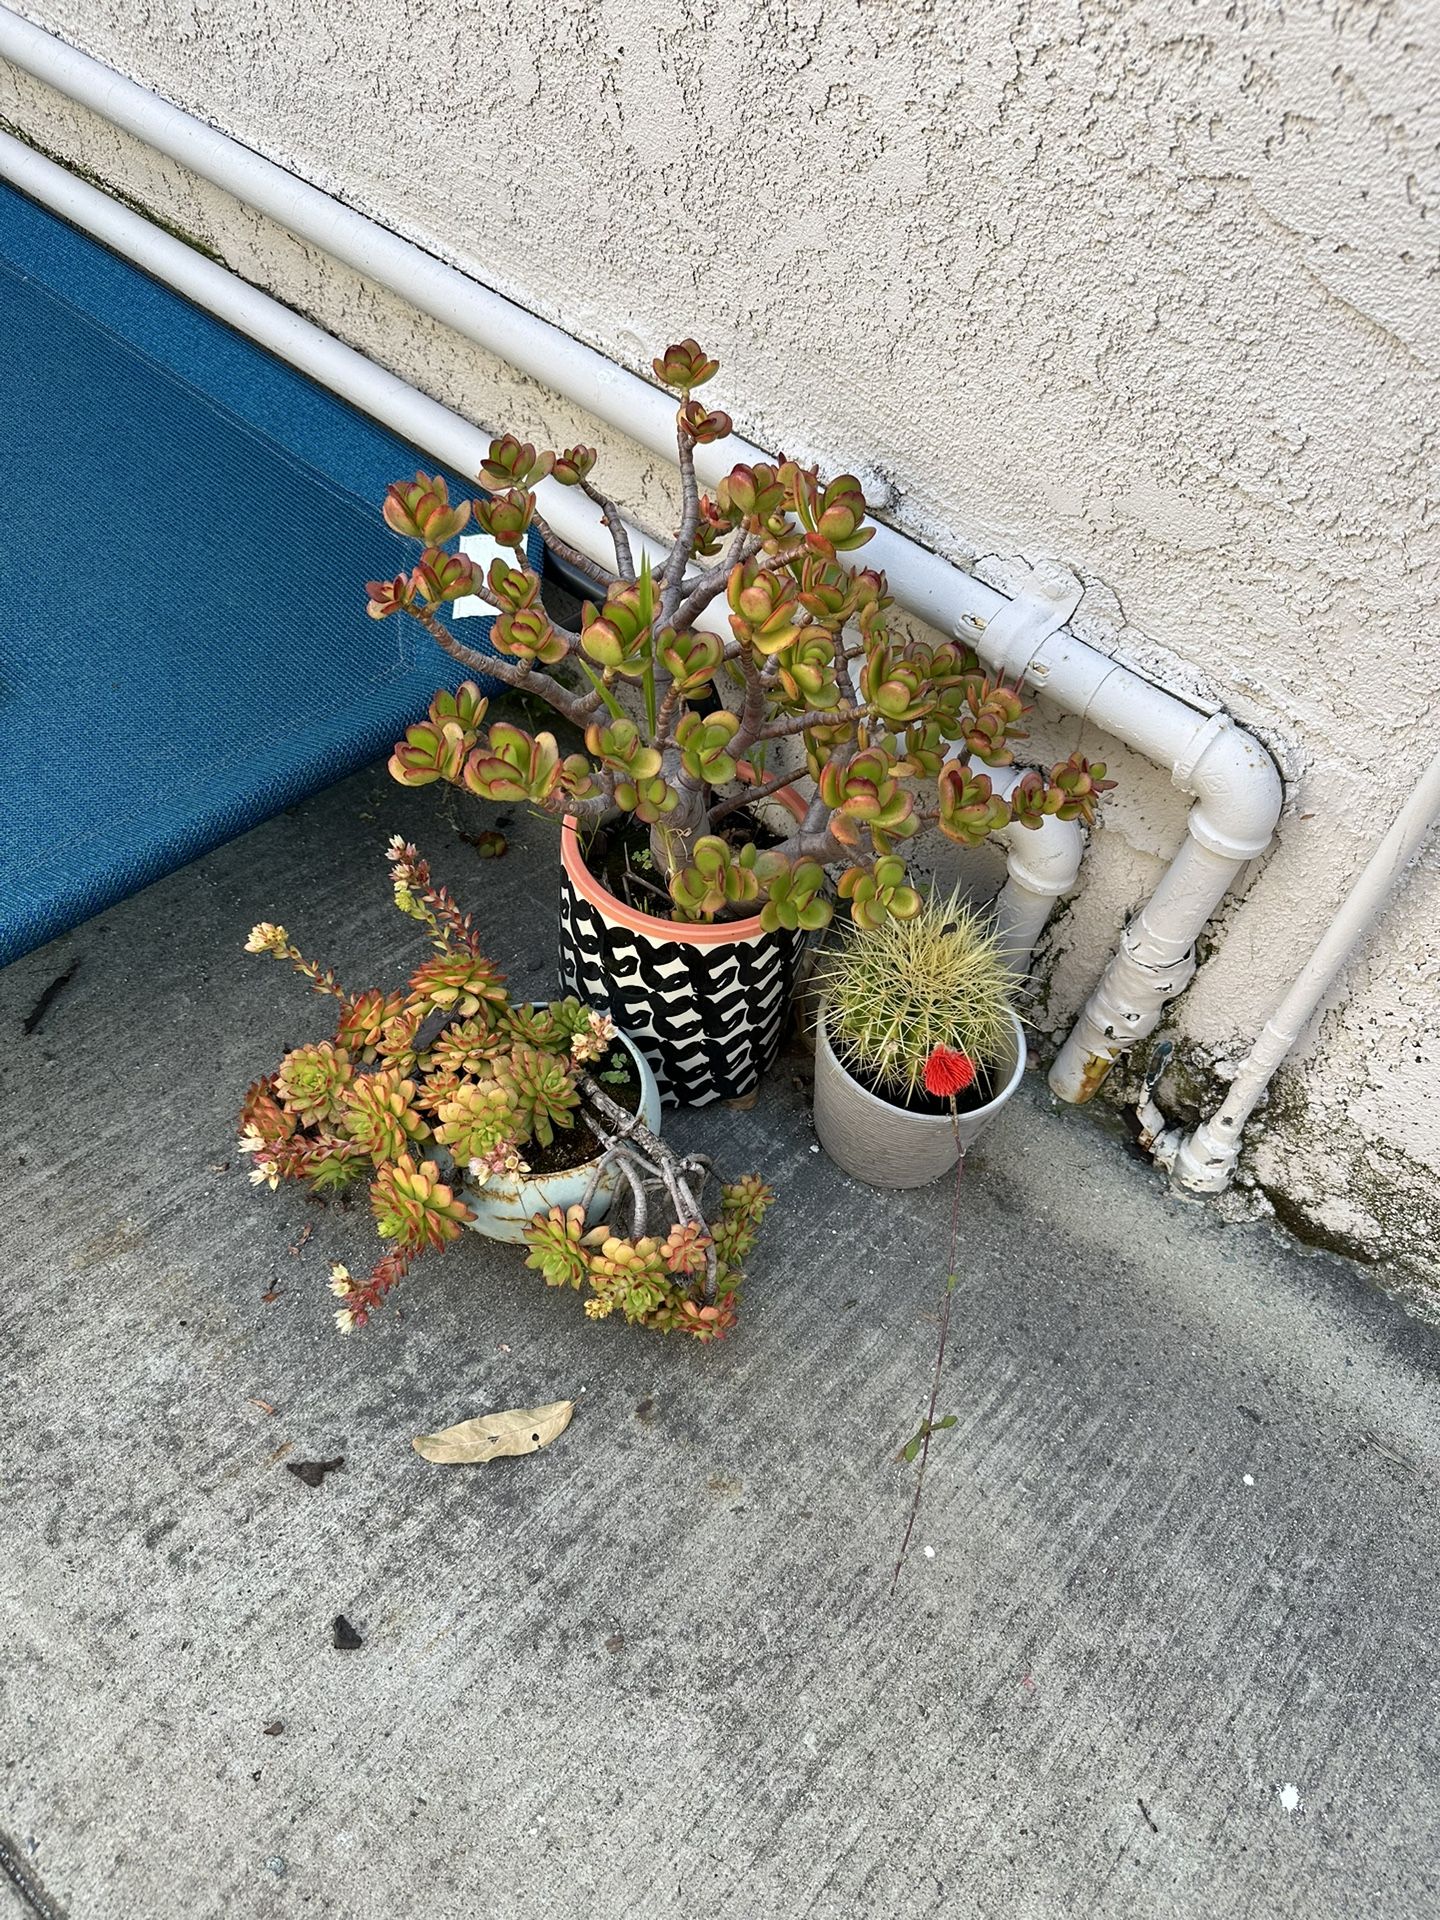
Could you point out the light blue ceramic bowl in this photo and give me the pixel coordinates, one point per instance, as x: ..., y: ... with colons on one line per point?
x: 503, y: 1208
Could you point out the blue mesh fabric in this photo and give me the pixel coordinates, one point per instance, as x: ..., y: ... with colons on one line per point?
x: 185, y: 528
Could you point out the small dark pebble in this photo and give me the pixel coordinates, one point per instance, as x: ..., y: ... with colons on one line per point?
x: 313, y: 1472
x: 272, y: 1727
x: 345, y: 1637
x: 615, y: 1643
x: 645, y: 1410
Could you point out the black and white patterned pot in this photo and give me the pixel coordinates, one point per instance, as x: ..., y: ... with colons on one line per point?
x: 706, y: 1005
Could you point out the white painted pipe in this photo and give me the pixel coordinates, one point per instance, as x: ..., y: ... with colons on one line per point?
x: 1042, y: 864
x: 1205, y: 1163
x: 1235, y: 783
x: 1238, y: 798
x: 1155, y: 962
x: 383, y: 396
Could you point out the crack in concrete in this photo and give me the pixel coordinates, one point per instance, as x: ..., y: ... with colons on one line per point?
x: 26, y: 1883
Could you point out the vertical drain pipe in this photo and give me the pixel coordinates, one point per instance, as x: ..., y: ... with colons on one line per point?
x: 1238, y: 798
x: 1042, y: 864
x: 1205, y: 1163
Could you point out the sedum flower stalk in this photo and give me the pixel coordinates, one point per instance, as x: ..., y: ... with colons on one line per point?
x: 265, y: 937
x: 946, y: 1074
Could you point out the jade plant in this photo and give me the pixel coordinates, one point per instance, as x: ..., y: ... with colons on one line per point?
x: 898, y: 993
x: 684, y: 724
x: 430, y: 1091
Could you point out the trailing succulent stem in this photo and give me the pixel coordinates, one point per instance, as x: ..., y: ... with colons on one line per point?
x: 439, y: 1087
x: 685, y: 1281
x: 673, y: 714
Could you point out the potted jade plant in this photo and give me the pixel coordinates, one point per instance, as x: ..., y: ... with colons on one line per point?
x: 917, y: 1046
x: 459, y: 1108
x: 683, y: 911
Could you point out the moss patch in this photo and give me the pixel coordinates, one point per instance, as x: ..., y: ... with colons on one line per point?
x: 111, y: 191
x: 1399, y: 1194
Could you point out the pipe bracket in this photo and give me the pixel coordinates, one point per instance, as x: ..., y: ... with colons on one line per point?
x: 1041, y: 608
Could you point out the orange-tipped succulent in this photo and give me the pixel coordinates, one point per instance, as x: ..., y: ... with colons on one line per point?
x: 413, y: 1205
x: 420, y: 509
x: 311, y: 1081
x: 442, y: 1092
x: 378, y: 1113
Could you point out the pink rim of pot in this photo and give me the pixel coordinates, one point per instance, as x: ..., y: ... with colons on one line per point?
x: 718, y: 933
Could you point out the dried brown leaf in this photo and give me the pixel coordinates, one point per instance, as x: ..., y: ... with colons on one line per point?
x: 495, y: 1436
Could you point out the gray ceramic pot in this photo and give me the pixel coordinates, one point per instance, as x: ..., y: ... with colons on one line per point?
x: 885, y: 1146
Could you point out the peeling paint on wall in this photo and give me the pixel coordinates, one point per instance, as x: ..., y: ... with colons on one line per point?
x: 1150, y: 290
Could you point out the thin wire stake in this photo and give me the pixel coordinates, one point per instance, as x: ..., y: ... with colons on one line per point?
x: 951, y: 1280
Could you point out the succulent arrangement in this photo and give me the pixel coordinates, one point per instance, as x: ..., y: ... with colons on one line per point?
x: 444, y: 1085
x: 673, y: 714
x: 904, y: 995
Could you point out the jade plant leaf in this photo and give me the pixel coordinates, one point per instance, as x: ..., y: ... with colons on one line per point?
x: 495, y: 1436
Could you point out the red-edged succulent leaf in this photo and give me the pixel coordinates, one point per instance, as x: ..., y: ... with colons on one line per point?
x: 574, y: 465
x: 685, y: 365
x: 507, y: 518
x: 514, y: 463
x: 421, y: 510
x: 385, y: 597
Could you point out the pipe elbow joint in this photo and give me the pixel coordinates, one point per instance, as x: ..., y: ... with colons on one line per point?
x: 1206, y: 1162
x: 1238, y: 790
x: 1044, y: 860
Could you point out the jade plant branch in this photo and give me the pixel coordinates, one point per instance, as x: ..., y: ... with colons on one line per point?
x: 810, y: 658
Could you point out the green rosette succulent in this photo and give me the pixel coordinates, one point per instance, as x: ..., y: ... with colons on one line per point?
x: 377, y: 1112
x: 311, y: 1080
x: 543, y: 1089
x: 478, y: 1118
x: 414, y: 1207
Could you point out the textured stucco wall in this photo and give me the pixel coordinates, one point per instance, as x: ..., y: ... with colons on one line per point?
x: 1152, y: 290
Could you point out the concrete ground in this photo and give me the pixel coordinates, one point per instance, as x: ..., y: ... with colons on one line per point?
x: 1164, y: 1645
